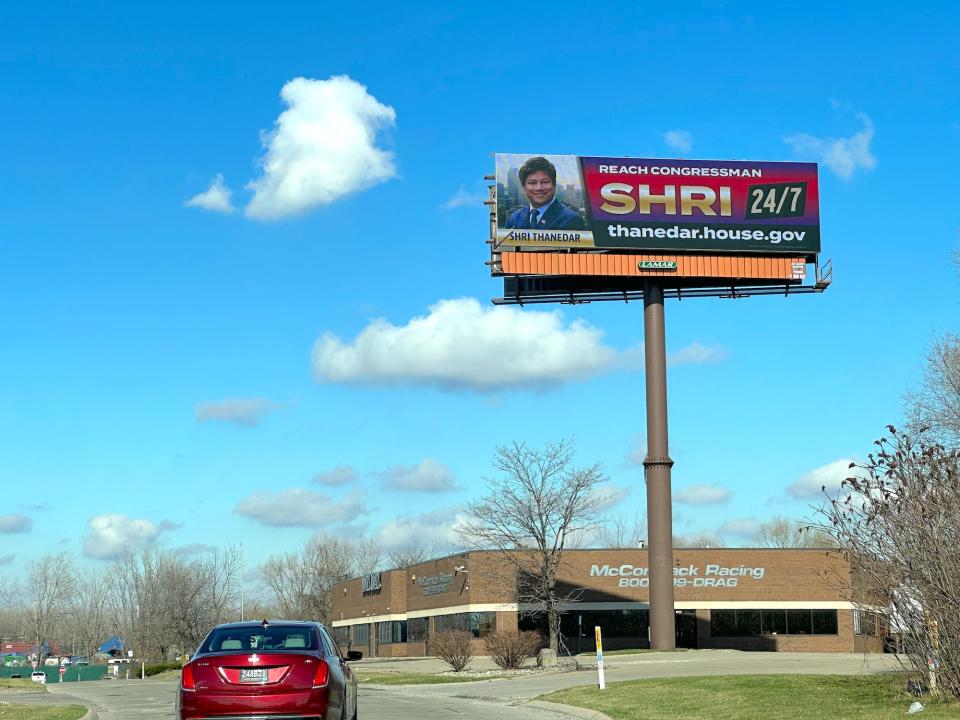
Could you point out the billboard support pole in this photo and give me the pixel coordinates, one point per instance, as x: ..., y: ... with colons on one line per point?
x: 657, y: 469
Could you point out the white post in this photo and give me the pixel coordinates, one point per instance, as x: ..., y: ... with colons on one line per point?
x: 599, y: 639
x: 241, y: 582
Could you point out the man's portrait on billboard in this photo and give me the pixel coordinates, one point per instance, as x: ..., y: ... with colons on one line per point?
x: 534, y: 199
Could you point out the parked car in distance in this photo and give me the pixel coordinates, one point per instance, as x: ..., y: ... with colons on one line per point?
x: 280, y: 669
x: 79, y: 660
x: 38, y: 676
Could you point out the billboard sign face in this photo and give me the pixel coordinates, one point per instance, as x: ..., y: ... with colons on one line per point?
x: 567, y: 201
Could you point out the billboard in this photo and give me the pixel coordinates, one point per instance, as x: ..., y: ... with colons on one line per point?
x: 569, y: 201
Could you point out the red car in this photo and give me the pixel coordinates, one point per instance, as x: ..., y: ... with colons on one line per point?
x: 268, y: 671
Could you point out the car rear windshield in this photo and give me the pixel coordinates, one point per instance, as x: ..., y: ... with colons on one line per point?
x: 260, y: 639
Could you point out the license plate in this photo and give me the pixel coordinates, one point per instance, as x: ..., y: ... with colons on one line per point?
x: 253, y: 675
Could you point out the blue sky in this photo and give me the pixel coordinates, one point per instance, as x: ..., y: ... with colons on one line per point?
x: 324, y: 357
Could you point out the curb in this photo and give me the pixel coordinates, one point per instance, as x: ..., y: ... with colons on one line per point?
x: 91, y: 715
x: 577, y: 712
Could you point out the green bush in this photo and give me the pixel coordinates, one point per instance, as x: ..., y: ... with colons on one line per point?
x: 151, y: 669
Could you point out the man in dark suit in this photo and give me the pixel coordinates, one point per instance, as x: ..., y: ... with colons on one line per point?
x: 538, y: 176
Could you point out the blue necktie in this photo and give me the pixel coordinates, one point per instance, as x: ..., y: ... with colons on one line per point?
x: 533, y: 217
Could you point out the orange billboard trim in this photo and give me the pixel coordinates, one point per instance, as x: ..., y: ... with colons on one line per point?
x: 622, y: 265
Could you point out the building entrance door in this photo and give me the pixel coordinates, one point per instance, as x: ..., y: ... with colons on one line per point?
x: 686, y: 626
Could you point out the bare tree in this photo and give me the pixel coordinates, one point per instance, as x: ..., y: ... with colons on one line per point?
x: 411, y: 554
x: 539, y: 502
x: 301, y: 581
x: 42, y: 598
x: 697, y: 540
x: 935, y: 407
x: 781, y: 532
x: 900, y: 523
x: 199, y: 595
x: 162, y: 600
x: 88, y: 612
x: 366, y: 556
x: 618, y: 531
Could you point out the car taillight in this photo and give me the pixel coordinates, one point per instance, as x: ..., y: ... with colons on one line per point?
x: 186, y: 678
x: 322, y: 676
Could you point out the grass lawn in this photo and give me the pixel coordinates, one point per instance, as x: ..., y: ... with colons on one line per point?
x: 42, y: 712
x: 25, y: 684
x: 417, y: 679
x: 755, y: 697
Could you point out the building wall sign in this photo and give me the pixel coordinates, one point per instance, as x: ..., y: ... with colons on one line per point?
x: 435, y: 584
x: 696, y: 575
x: 371, y: 582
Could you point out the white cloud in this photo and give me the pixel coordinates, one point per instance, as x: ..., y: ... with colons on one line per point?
x: 7, y: 559
x: 193, y: 549
x: 113, y: 535
x: 437, y: 528
x: 638, y: 452
x: 844, y: 156
x: 428, y: 476
x: 704, y: 494
x: 343, y: 475
x: 679, y: 140
x: 697, y: 354
x: 239, y: 411
x: 463, y: 198
x: 742, y: 527
x: 322, y: 147
x: 830, y: 476
x: 461, y: 345
x: 610, y: 496
x: 15, y: 523
x: 215, y: 198
x: 300, y: 508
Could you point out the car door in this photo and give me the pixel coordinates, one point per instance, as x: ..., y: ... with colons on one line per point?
x: 349, y: 678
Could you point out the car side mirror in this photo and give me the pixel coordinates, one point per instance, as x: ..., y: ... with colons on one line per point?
x: 354, y: 655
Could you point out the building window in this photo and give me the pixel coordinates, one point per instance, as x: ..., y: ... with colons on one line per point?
x: 394, y: 631
x: 734, y: 623
x: 749, y: 622
x: 417, y: 629
x: 774, y: 622
x: 864, y: 623
x: 341, y: 635
x: 479, y: 624
x: 613, y: 623
x: 723, y: 623
x: 824, y: 622
x: 361, y: 634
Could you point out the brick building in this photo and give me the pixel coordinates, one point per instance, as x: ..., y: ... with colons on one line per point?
x: 796, y: 600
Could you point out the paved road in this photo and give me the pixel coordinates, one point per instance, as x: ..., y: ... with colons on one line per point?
x: 154, y: 700
x: 487, y: 700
